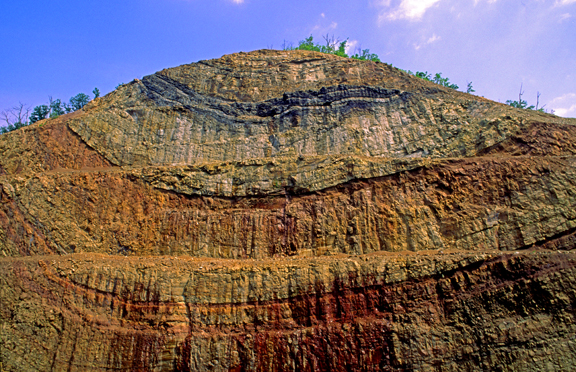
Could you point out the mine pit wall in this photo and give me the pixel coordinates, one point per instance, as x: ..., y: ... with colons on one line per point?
x: 453, y: 311
x: 473, y: 204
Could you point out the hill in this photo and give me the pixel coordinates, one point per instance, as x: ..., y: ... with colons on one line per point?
x: 288, y: 210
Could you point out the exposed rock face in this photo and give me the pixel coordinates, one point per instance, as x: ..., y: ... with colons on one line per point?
x: 303, y: 106
x: 289, y: 211
x: 455, y: 311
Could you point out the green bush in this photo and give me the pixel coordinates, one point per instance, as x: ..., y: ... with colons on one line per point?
x: 56, y: 108
x: 365, y: 55
x: 438, y: 79
x: 523, y: 104
x: 39, y: 113
x: 17, y: 117
x: 334, y: 47
x: 12, y: 127
x: 78, y: 101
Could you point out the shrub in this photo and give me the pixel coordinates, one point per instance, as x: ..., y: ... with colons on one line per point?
x: 39, y: 113
x: 523, y: 104
x: 365, y: 55
x: 438, y: 79
x: 15, y: 118
x: 78, y: 101
x: 56, y: 108
x: 334, y: 47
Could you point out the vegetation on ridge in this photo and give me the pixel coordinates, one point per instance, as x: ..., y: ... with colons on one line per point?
x: 20, y: 116
x: 338, y: 48
x: 335, y: 47
x: 523, y: 104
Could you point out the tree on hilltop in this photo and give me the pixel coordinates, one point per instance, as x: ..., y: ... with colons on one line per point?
x: 333, y: 46
x: 78, y: 101
x: 15, y: 118
x: 39, y: 113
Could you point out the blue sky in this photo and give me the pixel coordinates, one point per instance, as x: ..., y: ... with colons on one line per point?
x: 61, y: 48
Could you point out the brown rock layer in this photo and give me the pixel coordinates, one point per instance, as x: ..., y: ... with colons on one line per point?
x: 471, y: 204
x: 443, y: 311
x: 288, y: 211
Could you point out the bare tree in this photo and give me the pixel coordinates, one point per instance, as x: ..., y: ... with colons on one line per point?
x: 287, y: 46
x: 15, y: 118
x: 331, y: 41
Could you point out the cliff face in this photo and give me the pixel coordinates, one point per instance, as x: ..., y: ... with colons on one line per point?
x: 288, y: 211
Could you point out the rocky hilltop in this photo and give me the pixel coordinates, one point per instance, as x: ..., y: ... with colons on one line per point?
x: 289, y: 211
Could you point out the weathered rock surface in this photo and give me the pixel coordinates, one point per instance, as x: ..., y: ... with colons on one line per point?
x: 441, y: 311
x: 288, y: 211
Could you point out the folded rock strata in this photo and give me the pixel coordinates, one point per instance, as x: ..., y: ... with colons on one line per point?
x: 288, y: 211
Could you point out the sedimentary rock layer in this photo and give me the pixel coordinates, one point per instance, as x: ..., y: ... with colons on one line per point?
x: 470, y: 204
x: 443, y: 311
x: 288, y: 211
x: 172, y: 118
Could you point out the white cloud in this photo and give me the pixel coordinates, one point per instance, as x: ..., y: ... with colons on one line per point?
x: 351, y: 46
x: 433, y: 39
x: 238, y: 1
x: 332, y: 26
x: 564, y: 17
x: 564, y: 105
x: 564, y: 2
x: 489, y: 1
x: 322, y: 15
x: 412, y: 10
